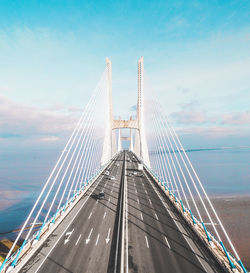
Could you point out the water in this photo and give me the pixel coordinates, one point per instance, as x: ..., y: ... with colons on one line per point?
x: 22, y: 175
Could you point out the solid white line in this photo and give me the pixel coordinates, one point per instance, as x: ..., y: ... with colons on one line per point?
x: 156, y: 216
x: 126, y: 223
x: 67, y: 227
x: 97, y: 239
x: 146, y: 238
x: 90, y: 215
x: 104, y: 214
x: 167, y: 241
x: 141, y: 217
x: 78, y: 239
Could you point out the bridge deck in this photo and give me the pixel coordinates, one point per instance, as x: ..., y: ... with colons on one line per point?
x: 157, y: 239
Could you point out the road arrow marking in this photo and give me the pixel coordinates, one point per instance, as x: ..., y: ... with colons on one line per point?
x: 68, y: 234
x: 141, y: 217
x: 88, y: 239
x: 146, y: 238
x: 107, y: 239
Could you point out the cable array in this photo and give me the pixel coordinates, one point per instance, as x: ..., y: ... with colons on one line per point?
x: 78, y: 162
x: 171, y: 165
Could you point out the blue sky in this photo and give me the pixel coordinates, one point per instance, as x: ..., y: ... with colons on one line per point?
x: 197, y: 58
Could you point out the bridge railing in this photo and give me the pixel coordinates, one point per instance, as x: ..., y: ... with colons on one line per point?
x: 78, y: 163
x: 51, y: 224
x: 172, y: 168
x: 217, y: 248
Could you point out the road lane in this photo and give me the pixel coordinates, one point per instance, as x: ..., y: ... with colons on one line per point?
x: 89, y: 245
x: 163, y: 248
x: 156, y: 238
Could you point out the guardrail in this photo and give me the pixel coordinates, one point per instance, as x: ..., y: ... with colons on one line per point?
x: 217, y: 249
x: 49, y: 226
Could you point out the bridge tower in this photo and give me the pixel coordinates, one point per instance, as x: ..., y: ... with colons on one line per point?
x: 139, y: 145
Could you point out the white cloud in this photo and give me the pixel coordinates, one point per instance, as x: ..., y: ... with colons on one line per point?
x: 48, y: 124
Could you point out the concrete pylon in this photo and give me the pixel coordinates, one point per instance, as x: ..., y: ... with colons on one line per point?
x: 140, y: 114
x: 131, y: 147
x: 140, y: 144
x: 107, y: 145
x: 119, y: 140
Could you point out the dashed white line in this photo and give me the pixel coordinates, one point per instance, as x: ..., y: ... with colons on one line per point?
x: 173, y: 217
x: 156, y: 216
x: 109, y: 199
x: 146, y: 191
x: 141, y: 216
x: 150, y: 201
x: 138, y: 201
x: 167, y: 241
x: 97, y: 239
x: 90, y: 215
x: 78, y: 239
x: 146, y: 238
x: 104, y: 215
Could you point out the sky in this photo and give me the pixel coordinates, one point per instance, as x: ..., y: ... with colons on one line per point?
x: 196, y: 57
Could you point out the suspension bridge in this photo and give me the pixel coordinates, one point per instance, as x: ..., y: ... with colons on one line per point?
x: 105, y: 209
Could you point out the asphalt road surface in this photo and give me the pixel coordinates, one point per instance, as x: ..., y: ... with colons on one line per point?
x: 156, y: 238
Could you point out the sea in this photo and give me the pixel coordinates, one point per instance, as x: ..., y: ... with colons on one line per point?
x: 223, y: 172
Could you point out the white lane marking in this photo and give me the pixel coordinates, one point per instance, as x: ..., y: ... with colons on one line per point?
x: 141, y: 217
x: 68, y: 234
x: 167, y: 241
x: 146, y: 191
x: 78, y: 239
x: 109, y: 199
x: 126, y: 200
x: 90, y: 215
x: 104, y: 215
x: 97, y: 239
x: 138, y: 201
x: 88, y: 239
x: 176, y: 222
x: 62, y: 234
x: 136, y: 190
x: 156, y: 216
x: 150, y: 201
x: 108, y: 238
x: 146, y: 238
